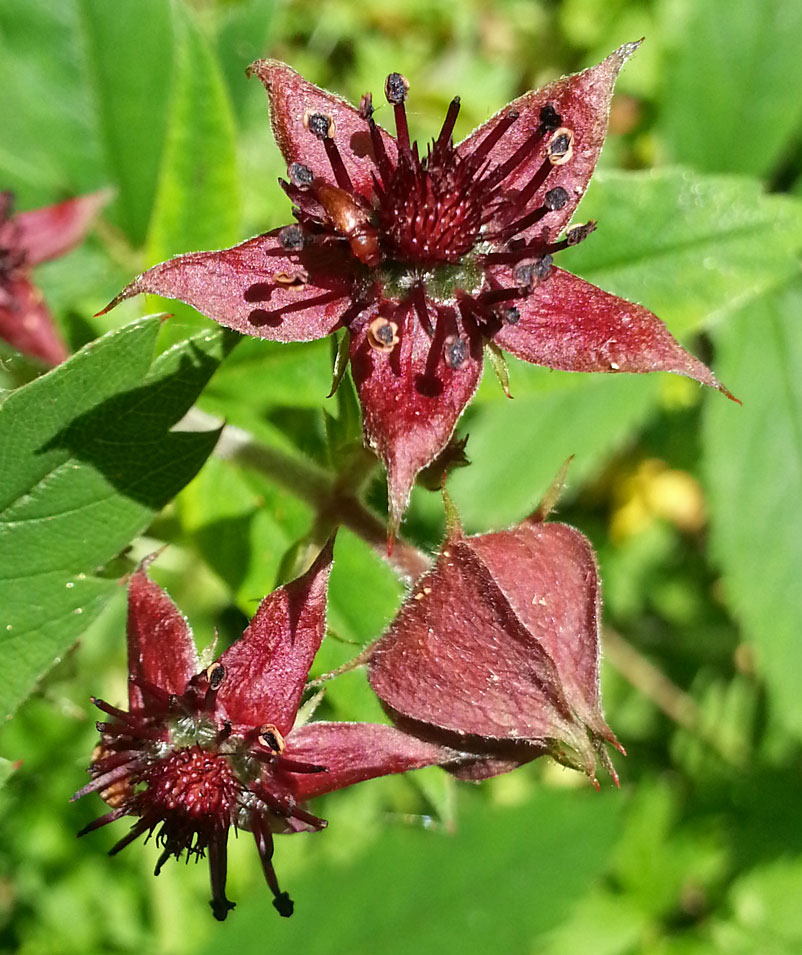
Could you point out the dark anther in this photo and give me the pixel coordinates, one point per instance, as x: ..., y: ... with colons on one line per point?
x: 270, y: 737
x: 510, y: 314
x: 215, y: 675
x: 291, y: 238
x: 319, y: 125
x: 396, y: 88
x: 382, y: 335
x: 283, y: 905
x: 455, y: 351
x: 529, y: 272
x: 579, y: 233
x: 561, y: 146
x: 366, y: 106
x: 549, y: 118
x: 300, y: 176
x: 555, y: 198
x: 270, y: 741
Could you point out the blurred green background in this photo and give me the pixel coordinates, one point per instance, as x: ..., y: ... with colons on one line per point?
x: 692, y: 502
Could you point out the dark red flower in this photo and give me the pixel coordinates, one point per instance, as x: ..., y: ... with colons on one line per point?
x: 26, y: 240
x: 496, y: 652
x: 425, y: 260
x: 200, y: 750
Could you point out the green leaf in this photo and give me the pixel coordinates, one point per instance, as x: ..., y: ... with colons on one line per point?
x: 728, y: 102
x: 197, y: 204
x: 519, y: 445
x: 504, y: 875
x: 753, y: 466
x: 87, y: 458
x: 129, y: 57
x: 49, y: 144
x: 689, y: 247
x: 6, y: 770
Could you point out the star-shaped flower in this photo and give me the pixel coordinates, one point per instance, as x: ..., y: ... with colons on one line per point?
x: 200, y: 750
x: 26, y: 240
x: 425, y: 260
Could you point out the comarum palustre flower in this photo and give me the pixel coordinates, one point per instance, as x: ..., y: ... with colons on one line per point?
x: 426, y: 260
x: 496, y: 651
x: 203, y: 749
x: 26, y: 240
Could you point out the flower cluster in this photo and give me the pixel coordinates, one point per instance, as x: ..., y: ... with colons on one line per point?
x: 428, y: 260
x: 200, y: 750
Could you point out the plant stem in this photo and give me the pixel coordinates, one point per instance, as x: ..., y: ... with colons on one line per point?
x: 333, y: 496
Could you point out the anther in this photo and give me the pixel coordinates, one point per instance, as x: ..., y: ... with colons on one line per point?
x: 291, y: 238
x: 396, y: 88
x: 270, y: 737
x: 579, y: 233
x: 300, y: 176
x: 455, y: 352
x: 382, y: 335
x: 561, y: 146
x: 549, y: 118
x: 510, y: 315
x: 294, y: 279
x: 319, y: 125
x: 215, y: 675
x: 531, y: 271
x: 555, y: 198
x: 366, y: 106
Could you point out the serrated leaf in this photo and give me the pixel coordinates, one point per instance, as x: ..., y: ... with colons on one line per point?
x: 87, y: 458
x: 689, y: 247
x: 129, y: 58
x: 753, y: 468
x: 730, y: 72
x: 197, y: 203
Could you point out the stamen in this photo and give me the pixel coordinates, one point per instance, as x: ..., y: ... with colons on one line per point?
x: 419, y: 301
x: 218, y: 870
x: 555, y: 198
x: 532, y: 271
x: 380, y: 153
x: 455, y: 352
x: 296, y: 766
x: 396, y: 89
x: 510, y: 314
x: 448, y: 124
x: 495, y: 134
x: 270, y: 737
x: 215, y: 675
x: 300, y: 176
x: 264, y: 843
x: 337, y: 165
x: 492, y: 297
x: 319, y: 125
x: 383, y: 335
x: 574, y: 236
x: 561, y: 146
x: 291, y: 238
x: 549, y: 118
x: 500, y: 173
x: 366, y: 106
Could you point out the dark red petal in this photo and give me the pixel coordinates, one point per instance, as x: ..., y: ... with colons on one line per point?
x: 237, y: 288
x: 548, y: 573
x: 583, y: 103
x: 291, y: 98
x: 411, y: 398
x: 161, y: 650
x: 266, y: 669
x: 52, y: 231
x: 568, y: 323
x: 457, y: 657
x: 353, y: 752
x: 26, y: 323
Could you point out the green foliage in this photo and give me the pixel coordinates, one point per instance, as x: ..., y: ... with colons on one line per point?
x: 88, y: 458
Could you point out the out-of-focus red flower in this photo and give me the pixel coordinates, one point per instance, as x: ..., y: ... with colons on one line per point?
x: 201, y: 750
x: 496, y: 652
x: 26, y: 240
x: 426, y: 260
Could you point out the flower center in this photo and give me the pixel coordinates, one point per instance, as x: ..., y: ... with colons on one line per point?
x: 193, y: 782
